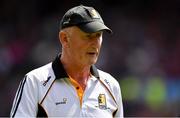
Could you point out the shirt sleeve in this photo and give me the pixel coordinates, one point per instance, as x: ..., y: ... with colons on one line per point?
x: 119, y: 113
x: 26, y: 100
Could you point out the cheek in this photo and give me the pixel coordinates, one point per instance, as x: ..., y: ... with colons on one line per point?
x: 99, y: 44
x: 77, y: 48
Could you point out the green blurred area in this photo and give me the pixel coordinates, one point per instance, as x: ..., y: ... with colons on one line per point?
x: 153, y: 94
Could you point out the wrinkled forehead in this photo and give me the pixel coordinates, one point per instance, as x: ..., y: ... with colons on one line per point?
x: 76, y: 30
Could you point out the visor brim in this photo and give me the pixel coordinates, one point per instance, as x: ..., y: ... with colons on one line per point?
x: 93, y: 27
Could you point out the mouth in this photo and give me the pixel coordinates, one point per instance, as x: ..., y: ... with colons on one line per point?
x: 92, y: 53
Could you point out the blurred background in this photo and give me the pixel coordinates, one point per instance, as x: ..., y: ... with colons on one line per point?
x: 143, y: 53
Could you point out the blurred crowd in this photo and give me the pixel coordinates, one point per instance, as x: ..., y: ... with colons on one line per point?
x: 143, y: 53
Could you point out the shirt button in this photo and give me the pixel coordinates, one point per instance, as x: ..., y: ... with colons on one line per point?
x: 77, y: 87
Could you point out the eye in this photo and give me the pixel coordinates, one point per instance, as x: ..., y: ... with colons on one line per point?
x: 88, y: 36
x: 94, y: 35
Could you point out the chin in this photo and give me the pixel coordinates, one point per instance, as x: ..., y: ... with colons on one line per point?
x: 93, y: 61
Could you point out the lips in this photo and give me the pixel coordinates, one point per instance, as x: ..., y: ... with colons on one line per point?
x: 92, y: 52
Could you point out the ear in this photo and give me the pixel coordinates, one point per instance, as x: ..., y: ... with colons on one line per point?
x: 63, y: 38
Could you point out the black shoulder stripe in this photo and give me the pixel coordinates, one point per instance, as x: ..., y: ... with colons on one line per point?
x: 19, y: 95
x: 46, y: 92
x: 16, y: 97
x: 41, y: 112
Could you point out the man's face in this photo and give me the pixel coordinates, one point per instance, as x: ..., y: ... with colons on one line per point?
x: 84, y: 48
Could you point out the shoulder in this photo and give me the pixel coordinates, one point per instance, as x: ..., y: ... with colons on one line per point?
x: 38, y: 81
x: 112, y: 84
x: 41, y: 73
x: 108, y: 78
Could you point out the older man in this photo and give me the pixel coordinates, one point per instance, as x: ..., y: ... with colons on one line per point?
x: 71, y: 85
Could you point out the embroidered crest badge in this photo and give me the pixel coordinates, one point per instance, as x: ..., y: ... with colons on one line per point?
x: 102, y: 101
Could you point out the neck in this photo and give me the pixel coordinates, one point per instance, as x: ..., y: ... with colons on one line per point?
x: 79, y: 73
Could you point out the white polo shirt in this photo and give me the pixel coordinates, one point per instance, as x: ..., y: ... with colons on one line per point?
x: 48, y: 91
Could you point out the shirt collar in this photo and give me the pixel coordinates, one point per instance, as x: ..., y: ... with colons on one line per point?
x: 60, y: 72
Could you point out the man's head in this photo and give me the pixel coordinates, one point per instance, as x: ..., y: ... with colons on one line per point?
x: 86, y: 18
x: 79, y: 47
x: 80, y: 34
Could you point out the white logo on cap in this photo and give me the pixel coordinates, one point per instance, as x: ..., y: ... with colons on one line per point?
x: 94, y: 14
x: 66, y: 22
